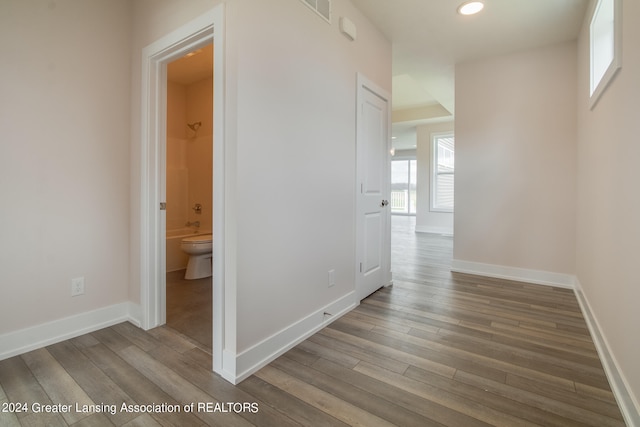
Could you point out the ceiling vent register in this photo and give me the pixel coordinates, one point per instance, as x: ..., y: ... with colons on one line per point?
x: 321, y: 7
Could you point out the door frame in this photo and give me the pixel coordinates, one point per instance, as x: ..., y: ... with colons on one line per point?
x: 365, y: 84
x: 207, y: 28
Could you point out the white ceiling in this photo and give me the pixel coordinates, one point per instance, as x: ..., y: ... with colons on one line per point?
x: 429, y: 38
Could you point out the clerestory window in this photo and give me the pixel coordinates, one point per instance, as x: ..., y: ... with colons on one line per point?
x: 605, y: 46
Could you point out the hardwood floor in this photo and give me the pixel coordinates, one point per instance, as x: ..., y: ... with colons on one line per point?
x: 435, y: 349
x: 189, y: 308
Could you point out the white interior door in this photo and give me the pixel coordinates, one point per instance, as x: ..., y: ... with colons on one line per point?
x: 373, y: 235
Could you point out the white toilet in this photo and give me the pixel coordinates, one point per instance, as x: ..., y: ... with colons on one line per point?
x: 200, y: 250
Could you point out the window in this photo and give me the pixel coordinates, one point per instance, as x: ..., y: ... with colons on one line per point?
x: 605, y: 46
x: 403, y: 187
x: 321, y: 7
x: 442, y: 172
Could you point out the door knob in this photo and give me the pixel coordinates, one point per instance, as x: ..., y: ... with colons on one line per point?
x: 384, y: 203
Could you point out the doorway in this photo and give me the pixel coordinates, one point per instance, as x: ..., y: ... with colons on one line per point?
x: 189, y: 194
x: 404, y: 177
x: 373, y: 232
x: 204, y: 30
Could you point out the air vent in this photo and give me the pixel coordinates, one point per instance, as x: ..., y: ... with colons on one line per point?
x: 321, y: 7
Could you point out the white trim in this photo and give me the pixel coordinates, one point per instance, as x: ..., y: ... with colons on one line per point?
x: 538, y: 277
x: 35, y: 337
x: 135, y: 314
x: 155, y: 56
x: 629, y: 405
x: 220, y: 253
x: 447, y: 231
x: 314, y: 8
x: 229, y: 363
x: 261, y: 354
x: 616, y: 62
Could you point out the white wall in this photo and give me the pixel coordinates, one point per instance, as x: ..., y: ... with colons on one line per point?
x: 189, y: 154
x: 608, y: 226
x: 515, y: 160
x: 177, y: 183
x: 426, y: 220
x: 64, y: 175
x: 200, y: 152
x: 151, y: 20
x: 290, y: 153
x: 296, y: 92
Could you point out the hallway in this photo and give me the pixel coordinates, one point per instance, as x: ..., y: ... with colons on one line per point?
x: 434, y: 349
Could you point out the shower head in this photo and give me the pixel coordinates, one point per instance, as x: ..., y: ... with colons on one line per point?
x: 194, y: 126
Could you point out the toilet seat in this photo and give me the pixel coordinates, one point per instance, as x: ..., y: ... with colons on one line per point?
x: 202, y: 238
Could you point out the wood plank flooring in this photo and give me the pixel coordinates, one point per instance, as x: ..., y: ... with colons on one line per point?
x: 189, y: 307
x: 435, y: 349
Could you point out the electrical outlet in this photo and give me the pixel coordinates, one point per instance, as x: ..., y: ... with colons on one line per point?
x: 77, y: 286
x: 332, y: 278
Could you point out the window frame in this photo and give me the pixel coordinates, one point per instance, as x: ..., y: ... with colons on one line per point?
x: 313, y: 5
x: 597, y: 88
x: 433, y: 173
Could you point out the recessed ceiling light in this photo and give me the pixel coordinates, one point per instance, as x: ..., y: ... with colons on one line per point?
x: 470, y: 8
x: 195, y: 52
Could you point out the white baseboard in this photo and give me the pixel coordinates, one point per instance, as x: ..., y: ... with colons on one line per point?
x: 229, y: 367
x: 434, y: 230
x: 538, y: 277
x: 629, y: 405
x: 32, y: 338
x: 135, y: 314
x: 261, y: 354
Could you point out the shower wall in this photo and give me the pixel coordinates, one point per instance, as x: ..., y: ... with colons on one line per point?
x: 189, y: 154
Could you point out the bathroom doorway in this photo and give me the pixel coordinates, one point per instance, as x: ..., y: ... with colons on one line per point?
x: 189, y: 194
x: 204, y: 29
